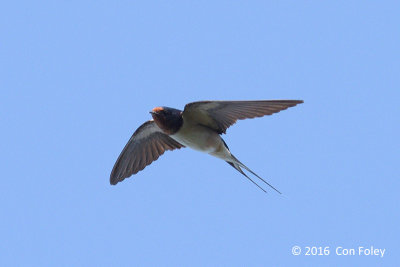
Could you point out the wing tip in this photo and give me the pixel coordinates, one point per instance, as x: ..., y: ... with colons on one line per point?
x: 290, y: 103
x: 116, y: 178
x: 295, y: 102
x: 113, y: 180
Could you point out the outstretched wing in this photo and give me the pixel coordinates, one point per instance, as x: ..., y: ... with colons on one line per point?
x: 219, y: 115
x: 145, y: 146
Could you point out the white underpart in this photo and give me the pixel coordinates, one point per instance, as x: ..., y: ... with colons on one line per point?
x: 202, y: 139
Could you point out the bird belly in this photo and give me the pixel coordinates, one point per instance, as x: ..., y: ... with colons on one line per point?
x: 198, y: 137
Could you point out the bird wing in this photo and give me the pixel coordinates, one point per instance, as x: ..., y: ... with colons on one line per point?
x: 147, y: 143
x: 220, y: 115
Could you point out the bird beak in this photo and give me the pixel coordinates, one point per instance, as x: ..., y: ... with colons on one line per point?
x: 156, y: 111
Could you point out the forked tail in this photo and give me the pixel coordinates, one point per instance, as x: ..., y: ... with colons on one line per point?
x: 237, y: 164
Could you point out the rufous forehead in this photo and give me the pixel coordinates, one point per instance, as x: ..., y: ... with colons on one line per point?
x: 157, y: 109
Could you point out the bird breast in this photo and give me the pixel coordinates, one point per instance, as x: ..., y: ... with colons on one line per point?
x: 198, y: 137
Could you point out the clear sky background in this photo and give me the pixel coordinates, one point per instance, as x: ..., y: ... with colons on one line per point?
x: 78, y: 77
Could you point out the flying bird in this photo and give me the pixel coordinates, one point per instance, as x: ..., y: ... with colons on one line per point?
x: 199, y: 126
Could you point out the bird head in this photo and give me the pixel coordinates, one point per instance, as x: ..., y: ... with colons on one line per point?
x: 168, y: 119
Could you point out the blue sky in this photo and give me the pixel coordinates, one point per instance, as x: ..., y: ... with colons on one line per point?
x: 78, y: 77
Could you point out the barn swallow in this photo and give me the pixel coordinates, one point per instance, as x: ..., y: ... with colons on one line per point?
x: 199, y: 126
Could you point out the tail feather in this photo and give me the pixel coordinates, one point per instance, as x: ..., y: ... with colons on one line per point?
x: 237, y: 167
x: 237, y: 164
